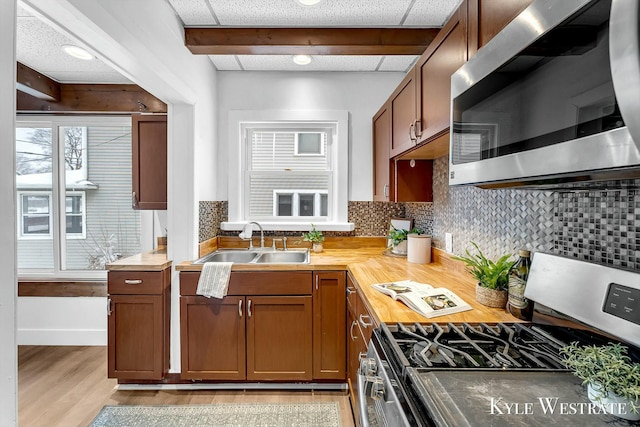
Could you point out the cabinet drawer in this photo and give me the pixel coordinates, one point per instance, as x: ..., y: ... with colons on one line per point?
x: 135, y: 282
x: 256, y: 283
x: 352, y: 294
x: 364, y: 319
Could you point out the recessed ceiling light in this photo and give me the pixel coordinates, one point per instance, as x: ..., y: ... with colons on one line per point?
x: 77, y: 52
x: 302, y: 59
x: 308, y: 2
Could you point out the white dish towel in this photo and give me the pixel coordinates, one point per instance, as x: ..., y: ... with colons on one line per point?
x: 214, y: 279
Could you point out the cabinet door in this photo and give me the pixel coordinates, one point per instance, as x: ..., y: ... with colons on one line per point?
x: 488, y: 17
x: 329, y: 317
x: 355, y: 347
x: 279, y: 340
x: 212, y: 338
x: 403, y: 115
x: 443, y: 57
x: 381, y: 164
x: 149, y: 153
x: 136, y: 337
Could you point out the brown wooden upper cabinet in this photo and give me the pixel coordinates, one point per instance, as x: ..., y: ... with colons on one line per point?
x: 488, y: 17
x: 382, y: 185
x: 443, y: 57
x: 149, y: 152
x: 403, y: 115
x: 420, y: 106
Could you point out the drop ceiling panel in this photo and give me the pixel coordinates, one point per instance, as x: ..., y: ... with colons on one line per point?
x: 397, y: 63
x: 225, y: 62
x: 319, y: 63
x: 334, y: 13
x: 194, y: 12
x: 40, y: 47
x: 431, y: 13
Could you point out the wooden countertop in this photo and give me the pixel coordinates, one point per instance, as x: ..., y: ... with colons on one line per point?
x: 146, y: 261
x: 368, y: 266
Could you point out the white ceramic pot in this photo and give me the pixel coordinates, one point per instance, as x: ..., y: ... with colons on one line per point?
x: 612, y: 403
x: 400, y: 248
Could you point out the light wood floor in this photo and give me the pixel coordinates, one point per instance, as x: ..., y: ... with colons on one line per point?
x: 67, y: 386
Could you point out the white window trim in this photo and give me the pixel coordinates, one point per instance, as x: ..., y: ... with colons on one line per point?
x: 340, y: 174
x: 83, y: 198
x: 21, y: 214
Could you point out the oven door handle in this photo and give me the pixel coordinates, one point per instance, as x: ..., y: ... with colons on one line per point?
x: 362, y: 401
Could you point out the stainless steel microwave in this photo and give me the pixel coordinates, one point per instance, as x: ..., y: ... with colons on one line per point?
x: 553, y: 98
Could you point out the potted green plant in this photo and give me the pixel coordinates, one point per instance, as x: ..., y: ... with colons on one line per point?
x: 493, y: 277
x: 398, y: 239
x: 315, y: 237
x: 613, y: 381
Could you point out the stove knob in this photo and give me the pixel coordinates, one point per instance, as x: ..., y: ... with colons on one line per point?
x: 377, y: 388
x: 368, y: 367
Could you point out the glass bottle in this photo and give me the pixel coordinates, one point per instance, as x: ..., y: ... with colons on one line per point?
x: 517, y: 304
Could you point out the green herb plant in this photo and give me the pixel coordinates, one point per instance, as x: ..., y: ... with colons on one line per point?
x: 398, y: 236
x: 313, y: 236
x: 490, y: 274
x: 608, y: 368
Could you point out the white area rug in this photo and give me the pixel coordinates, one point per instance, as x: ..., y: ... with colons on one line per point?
x: 219, y: 415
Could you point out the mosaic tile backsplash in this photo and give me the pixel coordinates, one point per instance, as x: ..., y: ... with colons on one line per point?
x: 595, y: 226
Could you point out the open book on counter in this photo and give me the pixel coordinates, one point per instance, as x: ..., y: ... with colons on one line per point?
x: 424, y: 299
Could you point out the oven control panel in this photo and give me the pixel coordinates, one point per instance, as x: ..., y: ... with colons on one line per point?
x: 622, y: 301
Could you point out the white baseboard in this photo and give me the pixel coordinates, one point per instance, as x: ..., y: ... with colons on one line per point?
x: 62, y: 337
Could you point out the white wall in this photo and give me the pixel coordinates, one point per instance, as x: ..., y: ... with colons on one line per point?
x: 8, y: 263
x: 362, y: 94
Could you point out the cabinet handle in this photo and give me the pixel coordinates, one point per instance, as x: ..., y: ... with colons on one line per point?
x: 133, y: 282
x: 316, y: 283
x: 350, y: 291
x: 364, y: 323
x: 385, y: 192
x: 417, y: 129
x: 411, y: 132
x: 351, y: 331
x: 134, y: 199
x: 109, y: 307
x: 249, y: 308
x: 240, y: 308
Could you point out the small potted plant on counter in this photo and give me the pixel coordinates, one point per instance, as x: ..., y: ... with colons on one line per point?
x: 315, y: 237
x: 493, y: 277
x: 398, y: 239
x: 613, y: 381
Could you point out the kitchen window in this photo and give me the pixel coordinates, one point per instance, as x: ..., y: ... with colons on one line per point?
x: 73, y: 187
x: 288, y: 169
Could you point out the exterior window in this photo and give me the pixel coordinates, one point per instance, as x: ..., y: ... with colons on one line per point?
x: 288, y: 169
x: 281, y: 156
x: 36, y: 215
x: 73, y: 183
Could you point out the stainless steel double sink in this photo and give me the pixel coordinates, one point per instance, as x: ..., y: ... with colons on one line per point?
x: 257, y: 256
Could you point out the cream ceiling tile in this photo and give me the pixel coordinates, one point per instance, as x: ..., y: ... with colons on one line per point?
x: 318, y: 63
x: 225, y: 62
x: 397, y: 63
x: 354, y: 13
x: 39, y: 47
x: 194, y: 12
x: 431, y: 13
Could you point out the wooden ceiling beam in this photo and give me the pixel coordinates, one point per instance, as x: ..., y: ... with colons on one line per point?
x: 94, y: 98
x: 309, y: 41
x: 36, y: 84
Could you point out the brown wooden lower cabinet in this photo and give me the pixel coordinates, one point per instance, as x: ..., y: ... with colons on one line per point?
x: 138, y: 324
x: 329, y: 317
x: 248, y: 337
x: 359, y: 329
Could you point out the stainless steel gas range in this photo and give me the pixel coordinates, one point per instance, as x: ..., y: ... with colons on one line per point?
x: 506, y: 374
